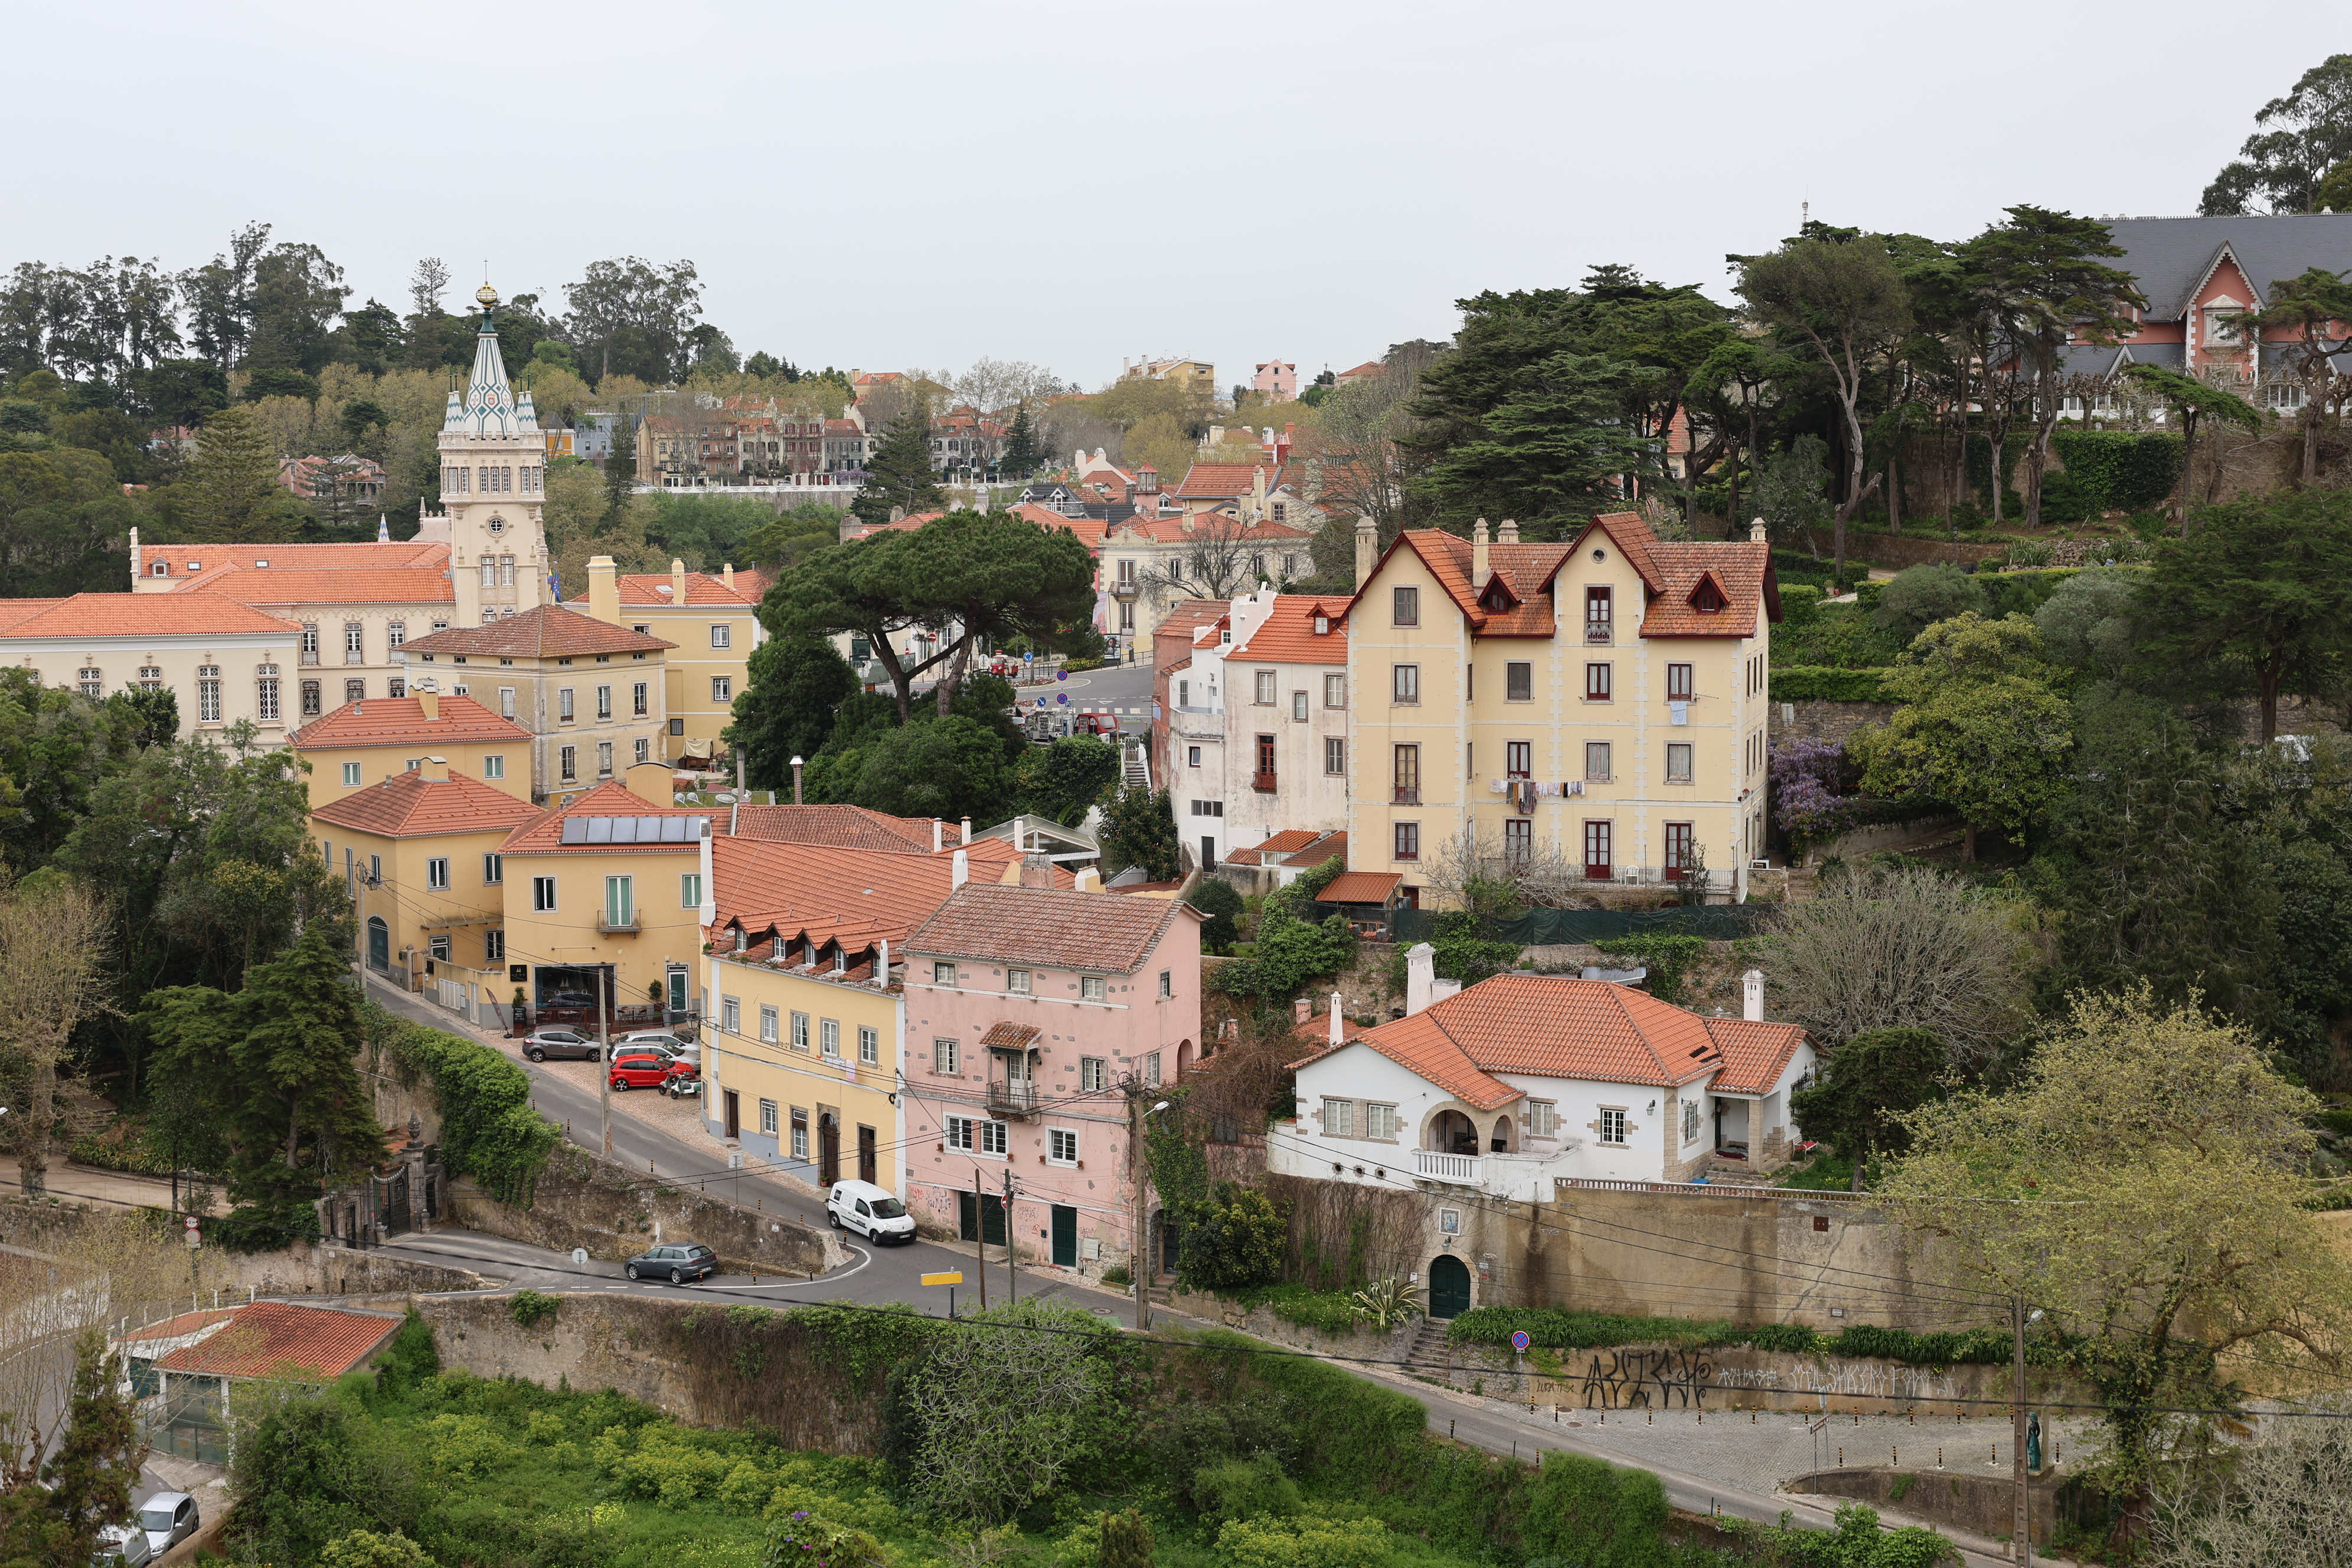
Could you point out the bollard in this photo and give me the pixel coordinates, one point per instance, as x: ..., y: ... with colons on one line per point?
x: 1751, y: 1418
x: 1996, y: 1456
x: 1651, y: 1416
x: 1449, y: 1428
x: 1911, y: 1417
x: 1840, y: 1458
x: 1893, y: 1457
x: 1939, y: 1458
x: 1702, y: 1415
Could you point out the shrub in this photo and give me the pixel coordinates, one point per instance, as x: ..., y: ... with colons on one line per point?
x: 530, y: 1308
x: 1126, y: 1540
x: 1220, y: 903
x: 1233, y: 1239
x: 802, y: 1539
x: 2118, y: 471
x: 462, y: 1447
x: 366, y: 1548
x: 1253, y: 1487
x: 1919, y: 596
x: 1820, y: 683
x: 488, y: 1130
x: 1669, y: 959
x: 411, y: 1358
x: 1303, y: 1541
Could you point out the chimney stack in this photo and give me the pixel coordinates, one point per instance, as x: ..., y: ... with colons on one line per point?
x: 1751, y: 995
x: 1367, y: 549
x: 1303, y: 1009
x: 604, y: 590
x: 962, y: 872
x: 938, y: 832
x: 1089, y: 880
x: 882, y: 962
x: 1479, y: 567
x: 1509, y: 533
x: 434, y: 770
x: 677, y: 581
x: 1037, y: 870
x: 1336, y: 1033
x: 727, y: 573
x: 967, y: 832
x: 1758, y: 533
x: 1420, y: 977
x: 428, y: 702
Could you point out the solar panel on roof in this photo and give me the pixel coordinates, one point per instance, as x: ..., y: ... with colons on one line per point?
x: 575, y: 830
x: 649, y: 830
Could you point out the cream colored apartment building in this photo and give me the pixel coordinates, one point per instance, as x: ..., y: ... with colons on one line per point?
x: 1598, y: 707
x: 712, y: 621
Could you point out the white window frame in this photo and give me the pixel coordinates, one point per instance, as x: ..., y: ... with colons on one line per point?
x: 494, y: 767
x: 1614, y: 1129
x: 436, y: 873
x: 771, y: 1023
x: 869, y: 1046
x: 542, y: 895
x: 494, y: 869
x: 1093, y: 988
x: 689, y: 889
x: 1339, y: 1117
x: 947, y: 1056
x: 723, y: 635
x: 1016, y: 982
x: 1062, y: 1146
x: 351, y: 776
x: 944, y: 971
x: 1381, y: 1122
x: 730, y: 1015
x: 1094, y: 1074
x: 769, y: 1122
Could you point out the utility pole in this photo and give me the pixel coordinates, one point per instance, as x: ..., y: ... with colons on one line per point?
x: 1011, y: 1276
x: 979, y: 1235
x: 603, y: 1060
x: 2021, y: 1544
x: 1136, y: 1171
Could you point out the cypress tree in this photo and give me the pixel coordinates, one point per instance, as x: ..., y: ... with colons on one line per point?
x: 898, y: 475
x: 1126, y: 1540
x: 1022, y: 457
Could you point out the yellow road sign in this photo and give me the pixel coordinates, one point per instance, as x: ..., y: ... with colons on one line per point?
x: 954, y: 1276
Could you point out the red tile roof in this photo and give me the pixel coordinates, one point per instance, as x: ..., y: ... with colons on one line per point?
x: 1360, y: 888
x: 1742, y: 571
x: 652, y: 590
x: 1211, y: 481
x: 1009, y: 1037
x: 1544, y: 1026
x: 1170, y: 528
x: 1315, y: 853
x: 270, y: 1338
x: 1049, y: 928
x: 840, y: 827
x: 137, y: 615
x: 1288, y: 634
x: 401, y: 722
x: 806, y: 892
x: 545, y: 835
x: 1754, y: 1054
x: 214, y: 558
x: 327, y: 586
x: 550, y: 631
x: 407, y: 806
x: 1088, y: 530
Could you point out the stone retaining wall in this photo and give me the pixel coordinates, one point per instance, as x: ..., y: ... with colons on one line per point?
x: 1982, y: 1500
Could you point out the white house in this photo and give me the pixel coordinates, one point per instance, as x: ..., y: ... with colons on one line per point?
x: 1522, y: 1078
x: 1258, y: 725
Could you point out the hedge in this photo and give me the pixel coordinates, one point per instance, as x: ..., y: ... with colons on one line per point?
x: 488, y: 1130
x: 1825, y: 683
x: 2119, y: 471
x: 1557, y: 1328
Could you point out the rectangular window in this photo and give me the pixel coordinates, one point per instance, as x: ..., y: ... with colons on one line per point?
x: 567, y: 763
x: 310, y: 642
x: 265, y: 694
x: 800, y: 1133
x: 1381, y: 1122
x: 1298, y: 707
x: 1338, y: 1119
x: 1192, y: 756
x: 689, y: 889
x: 1167, y: 983
x: 1520, y: 759
x: 1543, y: 1118
x: 1679, y: 683
x: 768, y: 1117
x: 770, y: 1022
x: 1335, y: 754
x: 1094, y: 1074
x: 398, y: 687
x: 543, y: 894
x: 943, y: 972
x: 620, y: 902
x: 354, y: 690
x: 310, y: 698
x: 828, y: 1037
x: 1612, y: 1126
x: 1404, y: 607
x: 730, y: 1015
x: 1405, y: 683
x: 1408, y: 775
x: 1596, y: 762
x: 395, y: 633
x: 1678, y: 761
x: 800, y: 1031
x: 494, y: 869
x: 1690, y: 1120
x: 943, y: 1057
x: 1597, y: 622
x: 1680, y: 837
x: 208, y: 707
x: 355, y: 642
x: 1408, y: 841
x: 439, y: 948
x: 869, y: 1046
x: 1518, y: 840
x: 1265, y: 775
x: 1596, y: 683
x: 506, y: 702
x: 436, y: 873
x: 1061, y: 1146
x: 637, y: 699
x: 1152, y: 1069
x: 351, y: 775
x: 1518, y: 681
x: 722, y: 688
x: 1265, y: 689
x: 604, y: 702
x: 1597, y: 848
x: 494, y: 947
x: 959, y: 1134
x: 1335, y: 691
x: 722, y: 637
x: 1017, y: 982
x: 563, y: 704
x: 603, y: 759
x: 494, y: 767
x: 1090, y: 988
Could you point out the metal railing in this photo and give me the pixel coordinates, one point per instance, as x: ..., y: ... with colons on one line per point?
x: 1461, y: 1168
x: 1012, y: 1100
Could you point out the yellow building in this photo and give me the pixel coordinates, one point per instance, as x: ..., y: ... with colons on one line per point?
x: 712, y: 621
x: 360, y: 744
x: 420, y: 851
x: 1594, y: 711
x: 223, y: 662
x: 806, y: 1029
x: 611, y: 883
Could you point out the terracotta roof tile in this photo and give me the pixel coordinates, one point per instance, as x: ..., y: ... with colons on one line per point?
x: 13, y: 611
x: 841, y: 827
x: 1205, y: 481
x: 327, y: 586
x: 1288, y: 634
x: 803, y: 892
x: 1288, y: 840
x: 1170, y: 529
x: 136, y: 615
x: 1360, y: 888
x: 544, y: 834
x: 651, y: 590
x: 1048, y: 928
x: 401, y: 722
x: 1009, y: 1037
x: 214, y: 559
x: 1322, y: 850
x: 1754, y: 1054
x: 408, y: 805
x: 548, y: 631
x: 269, y: 1339
x: 1742, y: 572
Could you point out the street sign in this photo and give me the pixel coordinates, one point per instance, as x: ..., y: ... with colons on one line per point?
x: 952, y: 1276
x: 1061, y: 675
x: 194, y: 1238
x: 580, y: 1257
x: 1520, y: 1339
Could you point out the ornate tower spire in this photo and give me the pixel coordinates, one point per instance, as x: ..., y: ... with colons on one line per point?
x: 490, y: 401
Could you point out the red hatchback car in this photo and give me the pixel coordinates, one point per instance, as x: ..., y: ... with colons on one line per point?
x: 646, y: 1071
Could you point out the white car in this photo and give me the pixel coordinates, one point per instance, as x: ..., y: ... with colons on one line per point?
x: 870, y: 1211
x: 168, y: 1518
x: 122, y: 1546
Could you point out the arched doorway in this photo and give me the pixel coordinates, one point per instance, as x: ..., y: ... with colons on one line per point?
x: 1451, y: 1133
x: 1449, y: 1287
x: 1502, y: 1143
x: 379, y: 945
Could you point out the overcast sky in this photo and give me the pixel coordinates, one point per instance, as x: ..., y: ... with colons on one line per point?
x: 920, y: 184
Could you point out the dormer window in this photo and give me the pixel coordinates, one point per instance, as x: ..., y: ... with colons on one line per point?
x: 261, y: 563
x: 163, y: 569
x: 1322, y: 625
x: 1707, y: 597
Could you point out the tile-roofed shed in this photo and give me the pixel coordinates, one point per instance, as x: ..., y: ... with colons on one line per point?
x: 273, y: 1339
x: 1048, y: 928
x: 401, y: 722
x: 410, y: 806
x: 549, y: 631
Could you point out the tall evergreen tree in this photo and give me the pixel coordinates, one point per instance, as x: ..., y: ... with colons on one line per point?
x: 619, y: 466
x: 1023, y: 454
x: 233, y: 479
x: 86, y: 1483
x: 900, y: 481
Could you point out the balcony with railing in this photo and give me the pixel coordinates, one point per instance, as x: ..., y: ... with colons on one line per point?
x: 1598, y: 633
x: 1011, y: 1100
x: 1408, y: 794
x: 620, y: 924
x: 1462, y: 1170
x: 1263, y: 782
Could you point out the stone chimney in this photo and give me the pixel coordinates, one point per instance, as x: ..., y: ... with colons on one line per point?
x: 1089, y: 880
x: 1303, y: 1009
x: 1420, y: 977
x: 1509, y: 533
x: 967, y: 832
x: 938, y: 833
x: 882, y: 962
x: 677, y: 581
x: 962, y: 872
x: 434, y: 770
x: 727, y: 573
x: 1479, y: 568
x: 1367, y: 549
x: 1336, y: 1033
x: 1037, y: 870
x: 604, y: 590
x: 1751, y: 995
x: 428, y: 702
x: 134, y: 558
x: 1758, y: 533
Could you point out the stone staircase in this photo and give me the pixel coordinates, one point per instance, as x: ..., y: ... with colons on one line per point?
x: 1427, y: 1355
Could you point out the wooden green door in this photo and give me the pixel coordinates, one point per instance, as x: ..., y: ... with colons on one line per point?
x: 1065, y: 1236
x: 1449, y: 1287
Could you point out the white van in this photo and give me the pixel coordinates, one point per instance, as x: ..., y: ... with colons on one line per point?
x: 870, y: 1211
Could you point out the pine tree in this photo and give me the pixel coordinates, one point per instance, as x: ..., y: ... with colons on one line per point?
x: 898, y: 477
x: 619, y: 466
x: 87, y: 1480
x: 1022, y: 455
x: 233, y: 478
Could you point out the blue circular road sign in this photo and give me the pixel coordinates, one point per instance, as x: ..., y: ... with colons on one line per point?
x: 1520, y: 1339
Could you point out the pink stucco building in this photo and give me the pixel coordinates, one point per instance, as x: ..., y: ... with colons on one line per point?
x: 1032, y: 1015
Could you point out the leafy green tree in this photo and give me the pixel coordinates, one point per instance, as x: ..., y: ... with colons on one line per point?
x: 1792, y: 492
x: 232, y: 481
x: 2086, y: 623
x: 2306, y: 134
x: 181, y: 392
x: 1919, y: 596
x: 297, y: 295
x: 1220, y: 903
x: 368, y: 1549
x: 1234, y: 1238
x: 2316, y: 309
x: 1126, y: 1540
x: 1064, y: 779
x: 1868, y: 1085
x: 2260, y: 596
x: 53, y: 1505
x: 899, y: 480
x: 2190, y: 402
x: 1842, y: 304
x: 1004, y: 1417
x: 621, y: 465
x: 1139, y: 828
x: 787, y: 709
x: 309, y: 1473
x: 950, y: 768
x: 634, y: 316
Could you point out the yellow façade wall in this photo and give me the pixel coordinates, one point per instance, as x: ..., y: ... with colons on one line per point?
x: 573, y: 931
x: 768, y: 1048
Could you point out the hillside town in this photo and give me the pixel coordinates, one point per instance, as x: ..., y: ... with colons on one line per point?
x: 617, y: 950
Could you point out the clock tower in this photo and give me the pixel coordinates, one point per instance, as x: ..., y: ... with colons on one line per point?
x: 493, y: 484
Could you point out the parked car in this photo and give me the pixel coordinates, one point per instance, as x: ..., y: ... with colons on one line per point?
x: 168, y: 1519
x: 552, y: 1042
x: 639, y: 1069
x: 675, y: 1264
x: 122, y: 1546
x: 663, y: 1041
x: 871, y: 1210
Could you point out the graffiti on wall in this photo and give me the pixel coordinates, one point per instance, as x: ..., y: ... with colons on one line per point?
x: 1647, y: 1380
x: 1886, y: 1380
